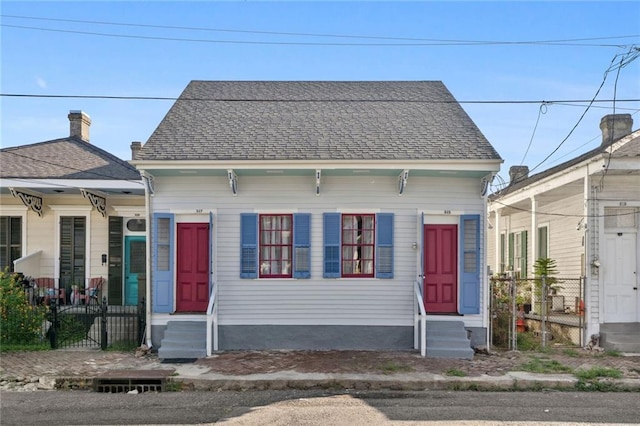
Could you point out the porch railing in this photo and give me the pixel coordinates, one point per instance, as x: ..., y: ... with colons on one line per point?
x: 212, y: 321
x: 420, y: 322
x: 29, y: 265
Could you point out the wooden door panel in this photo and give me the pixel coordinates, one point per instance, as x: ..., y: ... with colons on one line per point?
x: 192, y: 267
x: 441, y: 268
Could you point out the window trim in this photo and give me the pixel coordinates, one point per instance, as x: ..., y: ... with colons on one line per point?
x: 358, y: 245
x: 262, y: 245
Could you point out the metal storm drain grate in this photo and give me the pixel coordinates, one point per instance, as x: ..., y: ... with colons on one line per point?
x: 122, y: 381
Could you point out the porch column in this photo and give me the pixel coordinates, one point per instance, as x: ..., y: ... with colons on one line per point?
x: 534, y: 233
x: 496, y: 231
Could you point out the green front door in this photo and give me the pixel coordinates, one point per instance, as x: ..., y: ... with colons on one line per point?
x: 134, y: 268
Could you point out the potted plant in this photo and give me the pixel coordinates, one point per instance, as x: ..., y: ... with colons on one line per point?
x: 545, y: 267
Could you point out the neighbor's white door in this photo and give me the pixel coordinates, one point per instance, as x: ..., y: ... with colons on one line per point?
x: 621, y: 293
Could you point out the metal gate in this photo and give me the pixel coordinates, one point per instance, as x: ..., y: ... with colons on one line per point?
x: 95, y: 325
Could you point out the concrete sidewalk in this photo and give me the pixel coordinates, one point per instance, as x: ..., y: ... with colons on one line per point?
x: 361, y: 370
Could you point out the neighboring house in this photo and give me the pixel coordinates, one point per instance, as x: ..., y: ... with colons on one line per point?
x: 70, y: 212
x: 305, y: 215
x: 584, y: 214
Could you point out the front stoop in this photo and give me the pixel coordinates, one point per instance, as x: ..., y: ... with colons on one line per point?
x: 184, y: 340
x: 621, y: 337
x: 448, y: 339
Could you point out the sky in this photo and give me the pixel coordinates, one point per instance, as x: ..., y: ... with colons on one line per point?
x: 523, y: 71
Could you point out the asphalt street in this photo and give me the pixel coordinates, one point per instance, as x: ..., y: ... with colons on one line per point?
x: 297, y: 407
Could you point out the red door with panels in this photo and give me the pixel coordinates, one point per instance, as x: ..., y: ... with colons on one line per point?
x: 192, y: 292
x: 440, y: 269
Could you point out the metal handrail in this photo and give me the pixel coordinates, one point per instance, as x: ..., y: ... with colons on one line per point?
x: 420, y: 321
x: 212, y: 321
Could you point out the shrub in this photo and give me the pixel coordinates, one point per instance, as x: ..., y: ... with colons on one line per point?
x: 20, y: 322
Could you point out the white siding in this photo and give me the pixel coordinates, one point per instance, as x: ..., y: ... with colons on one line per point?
x: 317, y: 300
x: 565, y: 241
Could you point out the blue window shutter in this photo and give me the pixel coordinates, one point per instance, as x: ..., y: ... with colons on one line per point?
x: 162, y: 262
x: 331, y: 245
x: 248, y: 245
x: 470, y: 264
x: 302, y: 245
x: 384, y: 245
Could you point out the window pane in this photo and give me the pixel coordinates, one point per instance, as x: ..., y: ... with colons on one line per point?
x: 619, y: 217
x: 16, y: 231
x: 358, y: 239
x: 138, y: 225
x: 275, y: 245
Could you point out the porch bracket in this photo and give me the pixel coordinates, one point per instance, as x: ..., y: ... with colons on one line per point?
x: 100, y: 203
x: 32, y: 202
x: 318, y: 176
x: 484, y: 184
x: 233, y: 181
x: 149, y: 183
x: 402, y: 181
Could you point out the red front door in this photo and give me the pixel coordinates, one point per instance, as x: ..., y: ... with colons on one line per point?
x: 192, y: 267
x: 441, y: 268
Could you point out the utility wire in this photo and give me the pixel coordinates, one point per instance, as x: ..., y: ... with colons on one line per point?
x: 541, y: 110
x: 626, y: 59
x: 347, y: 36
x: 294, y: 43
x: 171, y: 98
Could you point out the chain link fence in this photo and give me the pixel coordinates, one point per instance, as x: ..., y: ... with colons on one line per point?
x: 537, y: 312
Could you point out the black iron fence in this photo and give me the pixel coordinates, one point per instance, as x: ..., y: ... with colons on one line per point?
x: 96, y: 325
x: 29, y: 321
x: 539, y: 311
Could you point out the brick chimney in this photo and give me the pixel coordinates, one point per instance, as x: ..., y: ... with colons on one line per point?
x: 614, y: 127
x: 518, y: 173
x: 135, y: 148
x: 79, y: 124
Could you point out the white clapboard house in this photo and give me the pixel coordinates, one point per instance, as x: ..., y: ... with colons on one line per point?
x: 317, y: 215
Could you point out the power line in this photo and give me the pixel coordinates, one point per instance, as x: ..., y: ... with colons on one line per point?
x: 203, y: 99
x: 541, y: 110
x: 295, y: 43
x: 295, y: 34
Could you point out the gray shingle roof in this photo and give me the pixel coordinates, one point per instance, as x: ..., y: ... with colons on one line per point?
x: 66, y: 158
x: 316, y: 120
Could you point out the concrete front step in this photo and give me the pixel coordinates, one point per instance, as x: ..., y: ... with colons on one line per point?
x: 448, y: 339
x: 184, y: 339
x: 622, y: 337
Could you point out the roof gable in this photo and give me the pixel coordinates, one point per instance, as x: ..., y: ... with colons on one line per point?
x: 316, y: 120
x: 66, y: 158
